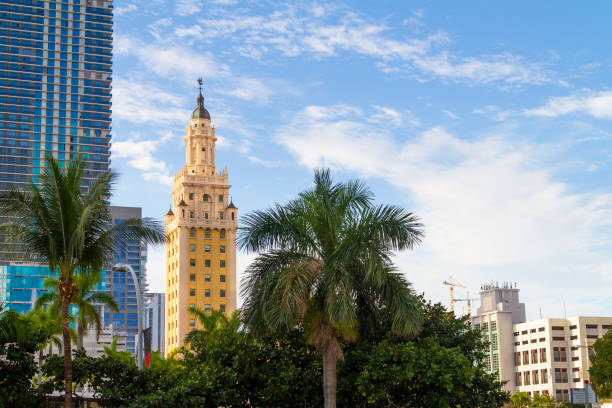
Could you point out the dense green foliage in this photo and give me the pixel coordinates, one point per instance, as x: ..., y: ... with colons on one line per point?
x: 19, y: 339
x: 601, y: 368
x: 226, y: 366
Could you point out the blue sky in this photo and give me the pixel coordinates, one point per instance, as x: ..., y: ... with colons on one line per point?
x: 490, y: 121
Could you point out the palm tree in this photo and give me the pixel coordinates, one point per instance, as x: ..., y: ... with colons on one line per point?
x: 48, y: 323
x: 325, y: 263
x: 86, y: 299
x: 520, y: 400
x: 211, y: 322
x: 541, y: 401
x: 12, y: 326
x: 65, y: 222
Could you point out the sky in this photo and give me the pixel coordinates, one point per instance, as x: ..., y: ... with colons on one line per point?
x: 489, y: 120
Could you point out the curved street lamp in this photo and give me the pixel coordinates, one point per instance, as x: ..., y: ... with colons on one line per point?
x: 136, y: 280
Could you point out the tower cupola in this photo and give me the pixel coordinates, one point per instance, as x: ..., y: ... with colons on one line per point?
x: 200, y: 111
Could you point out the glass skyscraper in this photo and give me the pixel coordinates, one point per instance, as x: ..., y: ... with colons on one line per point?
x: 55, y: 86
x: 120, y: 283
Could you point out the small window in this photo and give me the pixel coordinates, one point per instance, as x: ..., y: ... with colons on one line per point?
x: 192, y: 305
x: 207, y: 308
x: 232, y: 216
x: 192, y: 262
x: 222, y: 263
x: 220, y: 215
x: 222, y: 234
x: 207, y: 233
x: 191, y: 292
x: 222, y: 293
x: 206, y: 292
x: 191, y: 196
x: 220, y: 198
x: 191, y: 322
x: 222, y: 278
x: 192, y: 247
x: 192, y: 233
x: 222, y: 249
x: 207, y: 277
x: 192, y: 277
x: 222, y: 308
x: 207, y: 263
x: 206, y: 197
x: 203, y: 149
x: 207, y: 248
x: 191, y: 214
x: 205, y: 215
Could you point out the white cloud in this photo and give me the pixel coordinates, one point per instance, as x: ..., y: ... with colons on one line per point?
x: 488, y: 204
x: 295, y: 30
x: 139, y: 154
x: 125, y: 10
x: 595, y: 104
x: 263, y: 162
x: 187, y: 7
x: 172, y: 61
x: 250, y: 89
x: 140, y: 102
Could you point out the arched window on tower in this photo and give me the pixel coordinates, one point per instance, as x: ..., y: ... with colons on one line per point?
x: 206, y: 197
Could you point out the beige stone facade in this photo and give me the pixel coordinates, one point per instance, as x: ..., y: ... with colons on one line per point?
x: 201, y: 251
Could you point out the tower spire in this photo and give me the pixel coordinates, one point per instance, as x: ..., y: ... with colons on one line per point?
x: 200, y: 97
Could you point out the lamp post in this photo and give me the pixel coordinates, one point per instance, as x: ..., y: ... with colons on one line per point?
x: 136, y: 280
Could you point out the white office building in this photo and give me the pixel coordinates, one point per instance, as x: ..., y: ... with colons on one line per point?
x: 545, y: 356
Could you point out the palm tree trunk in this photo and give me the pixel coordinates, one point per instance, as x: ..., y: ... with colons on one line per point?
x: 330, y: 358
x: 40, y: 358
x: 51, y: 347
x: 67, y: 353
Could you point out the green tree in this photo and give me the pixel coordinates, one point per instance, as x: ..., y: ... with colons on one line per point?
x: 66, y: 226
x: 210, y: 322
x: 541, y: 401
x: 325, y: 263
x: 520, y: 400
x: 49, y: 323
x: 86, y: 298
x: 19, y: 340
x: 601, y: 366
x: 454, y: 375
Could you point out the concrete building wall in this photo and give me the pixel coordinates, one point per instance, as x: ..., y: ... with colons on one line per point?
x: 565, y: 344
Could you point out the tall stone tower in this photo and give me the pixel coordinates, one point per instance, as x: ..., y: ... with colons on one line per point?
x: 201, y: 225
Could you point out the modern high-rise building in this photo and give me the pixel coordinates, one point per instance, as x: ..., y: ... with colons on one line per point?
x: 201, y: 250
x: 154, y: 318
x: 120, y: 283
x: 545, y: 356
x: 55, y: 87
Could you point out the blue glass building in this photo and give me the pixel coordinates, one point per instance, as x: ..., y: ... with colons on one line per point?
x: 55, y: 87
x: 120, y: 283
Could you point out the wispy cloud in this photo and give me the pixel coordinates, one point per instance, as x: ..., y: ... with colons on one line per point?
x: 295, y: 31
x: 128, y: 8
x: 595, y: 104
x: 487, y: 204
x: 171, y: 61
x: 250, y: 89
x: 187, y: 7
x: 144, y: 102
x: 139, y: 154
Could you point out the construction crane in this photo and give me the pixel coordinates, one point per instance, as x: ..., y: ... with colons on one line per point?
x: 451, y: 287
x: 469, y: 303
